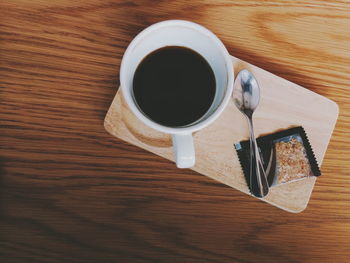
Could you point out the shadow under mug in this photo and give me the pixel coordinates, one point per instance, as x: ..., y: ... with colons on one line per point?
x: 193, y: 36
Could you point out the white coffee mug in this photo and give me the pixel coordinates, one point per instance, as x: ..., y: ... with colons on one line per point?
x: 193, y: 36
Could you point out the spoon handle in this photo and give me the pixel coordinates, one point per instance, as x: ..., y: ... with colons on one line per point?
x: 258, y: 182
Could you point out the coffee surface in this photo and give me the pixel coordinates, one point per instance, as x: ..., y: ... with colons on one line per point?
x: 174, y: 86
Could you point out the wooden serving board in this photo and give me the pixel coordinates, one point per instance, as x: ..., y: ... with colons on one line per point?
x: 283, y: 104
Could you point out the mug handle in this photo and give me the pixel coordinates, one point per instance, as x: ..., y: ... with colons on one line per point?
x: 183, y: 150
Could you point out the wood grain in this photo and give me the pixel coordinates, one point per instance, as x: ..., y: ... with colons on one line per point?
x: 215, y: 154
x: 69, y: 192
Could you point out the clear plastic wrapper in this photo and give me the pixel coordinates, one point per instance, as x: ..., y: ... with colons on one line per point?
x: 287, y: 156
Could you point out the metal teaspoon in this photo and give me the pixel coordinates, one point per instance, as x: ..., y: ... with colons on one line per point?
x: 246, y: 96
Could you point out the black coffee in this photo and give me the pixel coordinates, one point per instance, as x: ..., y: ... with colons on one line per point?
x: 174, y: 86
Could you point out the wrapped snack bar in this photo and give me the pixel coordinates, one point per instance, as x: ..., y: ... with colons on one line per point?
x: 287, y: 156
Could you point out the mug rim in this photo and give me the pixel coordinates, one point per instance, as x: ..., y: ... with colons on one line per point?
x: 132, y: 104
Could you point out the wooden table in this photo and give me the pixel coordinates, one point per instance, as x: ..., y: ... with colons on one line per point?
x: 69, y: 192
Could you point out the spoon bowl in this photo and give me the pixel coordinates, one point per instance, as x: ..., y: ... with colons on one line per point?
x: 246, y: 92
